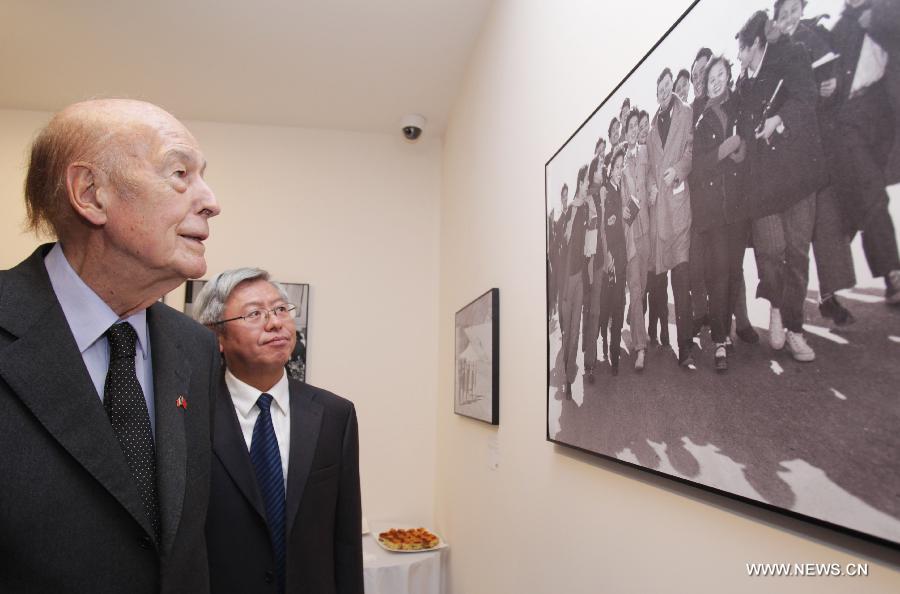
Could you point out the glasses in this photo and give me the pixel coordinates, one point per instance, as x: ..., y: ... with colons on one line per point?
x: 256, y: 317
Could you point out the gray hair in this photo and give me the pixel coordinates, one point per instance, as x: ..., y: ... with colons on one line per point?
x: 209, y: 304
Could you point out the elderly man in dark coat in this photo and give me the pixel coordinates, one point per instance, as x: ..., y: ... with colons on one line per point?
x: 106, y: 395
x: 576, y: 217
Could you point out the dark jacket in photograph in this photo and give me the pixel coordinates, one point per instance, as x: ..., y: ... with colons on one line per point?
x: 791, y: 166
x: 716, y: 185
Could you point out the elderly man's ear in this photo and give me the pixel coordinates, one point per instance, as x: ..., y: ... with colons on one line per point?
x: 88, y: 195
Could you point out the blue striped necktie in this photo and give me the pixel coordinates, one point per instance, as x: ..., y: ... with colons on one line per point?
x: 270, y: 480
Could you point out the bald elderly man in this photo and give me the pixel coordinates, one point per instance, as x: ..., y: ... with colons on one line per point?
x: 105, y: 394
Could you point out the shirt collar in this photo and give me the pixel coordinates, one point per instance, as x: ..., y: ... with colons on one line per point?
x: 244, y: 396
x: 665, y: 112
x: 754, y: 74
x: 88, y: 315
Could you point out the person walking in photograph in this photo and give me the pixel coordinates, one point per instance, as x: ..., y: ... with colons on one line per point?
x: 638, y: 193
x: 719, y: 217
x: 778, y: 99
x: 670, y: 148
x: 613, y: 301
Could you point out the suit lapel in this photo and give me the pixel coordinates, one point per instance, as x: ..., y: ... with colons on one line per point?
x: 676, y: 129
x: 306, y: 423
x: 45, y: 370
x: 657, y: 148
x: 171, y: 378
x: 231, y: 449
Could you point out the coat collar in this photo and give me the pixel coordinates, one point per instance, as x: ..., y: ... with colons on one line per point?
x: 678, y: 122
x: 306, y: 423
x: 171, y: 379
x: 44, y: 368
x: 230, y: 447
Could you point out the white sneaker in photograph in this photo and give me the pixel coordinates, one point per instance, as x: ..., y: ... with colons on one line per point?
x: 776, y: 329
x: 799, y: 348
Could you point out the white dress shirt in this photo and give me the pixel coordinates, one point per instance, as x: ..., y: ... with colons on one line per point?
x: 244, y: 398
x: 89, y: 318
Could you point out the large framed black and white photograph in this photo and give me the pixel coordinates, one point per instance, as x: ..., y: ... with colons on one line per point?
x: 723, y: 278
x: 476, y: 390
x: 298, y: 294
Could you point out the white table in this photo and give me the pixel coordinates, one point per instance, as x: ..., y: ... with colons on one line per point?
x: 385, y: 572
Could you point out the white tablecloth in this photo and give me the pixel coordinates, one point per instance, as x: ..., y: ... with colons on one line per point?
x: 385, y: 572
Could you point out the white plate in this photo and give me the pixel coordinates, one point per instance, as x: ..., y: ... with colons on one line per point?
x: 440, y: 545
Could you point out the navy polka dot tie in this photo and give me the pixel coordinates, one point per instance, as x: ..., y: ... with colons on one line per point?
x: 270, y: 479
x: 124, y: 402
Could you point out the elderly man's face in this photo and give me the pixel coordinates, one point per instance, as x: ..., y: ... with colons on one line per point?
x: 160, y: 219
x: 267, y: 345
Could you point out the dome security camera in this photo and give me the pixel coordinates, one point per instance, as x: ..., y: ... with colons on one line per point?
x: 411, y: 126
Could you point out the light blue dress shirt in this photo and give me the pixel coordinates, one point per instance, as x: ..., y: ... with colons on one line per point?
x: 89, y: 317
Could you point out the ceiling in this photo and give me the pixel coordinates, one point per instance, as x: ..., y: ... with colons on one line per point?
x: 339, y: 64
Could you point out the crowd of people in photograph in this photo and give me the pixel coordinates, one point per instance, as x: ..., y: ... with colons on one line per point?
x: 796, y: 154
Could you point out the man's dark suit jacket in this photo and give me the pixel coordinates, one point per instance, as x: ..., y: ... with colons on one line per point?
x: 71, y: 519
x: 792, y: 165
x: 324, y: 517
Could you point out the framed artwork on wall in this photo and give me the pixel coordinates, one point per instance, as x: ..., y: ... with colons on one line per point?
x: 723, y: 278
x: 476, y: 391
x: 298, y: 294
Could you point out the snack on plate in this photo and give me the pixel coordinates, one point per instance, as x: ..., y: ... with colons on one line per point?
x: 413, y: 539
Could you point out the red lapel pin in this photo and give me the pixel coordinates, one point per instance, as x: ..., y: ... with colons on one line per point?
x: 181, y: 402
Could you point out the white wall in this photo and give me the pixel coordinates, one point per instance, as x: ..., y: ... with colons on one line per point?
x: 354, y: 215
x: 550, y: 519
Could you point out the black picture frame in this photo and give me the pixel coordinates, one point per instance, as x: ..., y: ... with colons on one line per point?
x: 843, y: 493
x: 476, y: 385
x: 298, y: 293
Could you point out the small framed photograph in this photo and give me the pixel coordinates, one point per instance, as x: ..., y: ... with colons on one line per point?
x: 477, y: 382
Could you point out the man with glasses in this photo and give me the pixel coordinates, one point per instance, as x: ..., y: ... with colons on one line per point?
x: 284, y: 508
